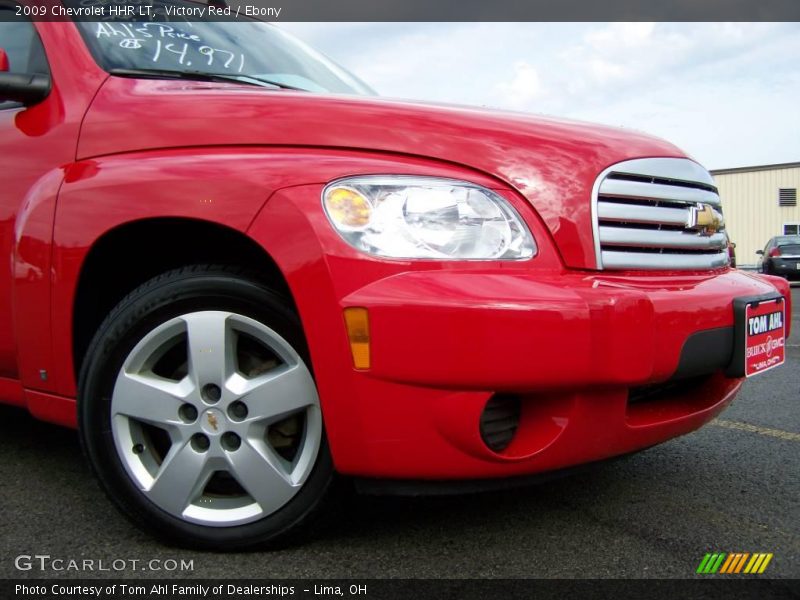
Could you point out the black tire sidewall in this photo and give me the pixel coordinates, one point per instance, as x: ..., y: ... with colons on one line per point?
x: 137, y: 315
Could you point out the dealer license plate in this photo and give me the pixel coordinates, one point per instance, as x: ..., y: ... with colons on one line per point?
x: 764, y: 335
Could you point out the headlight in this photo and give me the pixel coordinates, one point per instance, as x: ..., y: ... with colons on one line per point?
x: 426, y: 217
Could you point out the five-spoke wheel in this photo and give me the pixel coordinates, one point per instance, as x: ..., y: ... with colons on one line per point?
x: 199, y: 412
x: 216, y: 418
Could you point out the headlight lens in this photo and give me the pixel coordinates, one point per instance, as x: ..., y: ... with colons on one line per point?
x: 426, y: 217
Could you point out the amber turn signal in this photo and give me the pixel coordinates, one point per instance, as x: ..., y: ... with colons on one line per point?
x: 347, y: 207
x: 357, y: 321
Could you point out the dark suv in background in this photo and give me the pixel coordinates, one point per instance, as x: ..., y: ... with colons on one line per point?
x: 781, y: 256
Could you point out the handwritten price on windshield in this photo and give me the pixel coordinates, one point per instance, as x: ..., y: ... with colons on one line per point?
x: 225, y: 58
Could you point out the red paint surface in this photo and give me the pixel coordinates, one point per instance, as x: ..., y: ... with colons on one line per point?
x: 102, y: 152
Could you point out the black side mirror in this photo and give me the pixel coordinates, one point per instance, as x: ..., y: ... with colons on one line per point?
x: 26, y: 88
x: 761, y: 252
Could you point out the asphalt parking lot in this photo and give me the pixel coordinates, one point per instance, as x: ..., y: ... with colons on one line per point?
x: 733, y: 486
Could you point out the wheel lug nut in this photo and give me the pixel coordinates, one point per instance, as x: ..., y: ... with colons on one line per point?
x: 211, y: 393
x: 231, y: 441
x: 200, y: 442
x: 238, y: 410
x: 188, y: 413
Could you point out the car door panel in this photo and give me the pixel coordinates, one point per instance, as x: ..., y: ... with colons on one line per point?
x: 36, y: 147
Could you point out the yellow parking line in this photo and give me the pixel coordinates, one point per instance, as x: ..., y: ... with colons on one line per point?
x: 776, y: 433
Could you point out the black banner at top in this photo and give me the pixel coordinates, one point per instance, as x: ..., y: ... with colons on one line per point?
x: 405, y: 10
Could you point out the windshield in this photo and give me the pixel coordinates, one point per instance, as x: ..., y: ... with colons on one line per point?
x: 787, y: 239
x: 243, y: 48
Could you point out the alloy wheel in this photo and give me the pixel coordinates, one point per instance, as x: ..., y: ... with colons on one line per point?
x: 216, y: 418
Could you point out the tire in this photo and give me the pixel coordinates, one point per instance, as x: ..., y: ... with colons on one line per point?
x: 199, y: 414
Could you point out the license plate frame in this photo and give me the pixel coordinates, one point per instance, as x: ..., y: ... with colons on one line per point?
x: 759, y: 339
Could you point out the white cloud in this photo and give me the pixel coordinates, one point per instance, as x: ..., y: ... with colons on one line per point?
x: 523, y: 89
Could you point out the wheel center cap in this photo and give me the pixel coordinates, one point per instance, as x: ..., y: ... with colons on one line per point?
x: 212, y: 421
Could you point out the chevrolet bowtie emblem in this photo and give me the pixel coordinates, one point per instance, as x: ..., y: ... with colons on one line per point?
x: 212, y: 420
x: 704, y: 219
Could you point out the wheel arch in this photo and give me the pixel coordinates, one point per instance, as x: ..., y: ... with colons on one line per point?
x: 129, y: 254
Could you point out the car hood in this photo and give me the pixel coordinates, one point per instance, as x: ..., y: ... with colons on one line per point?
x: 551, y: 162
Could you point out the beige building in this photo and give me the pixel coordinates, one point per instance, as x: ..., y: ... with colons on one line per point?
x: 759, y: 202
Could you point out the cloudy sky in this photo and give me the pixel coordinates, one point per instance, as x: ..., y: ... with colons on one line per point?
x: 728, y: 94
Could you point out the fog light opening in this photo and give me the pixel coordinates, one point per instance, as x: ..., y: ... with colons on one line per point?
x: 500, y: 420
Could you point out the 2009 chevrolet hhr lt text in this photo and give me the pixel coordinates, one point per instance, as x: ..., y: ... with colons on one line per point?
x: 243, y: 277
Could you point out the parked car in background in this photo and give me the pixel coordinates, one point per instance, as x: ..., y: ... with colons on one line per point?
x: 781, y: 256
x: 243, y: 278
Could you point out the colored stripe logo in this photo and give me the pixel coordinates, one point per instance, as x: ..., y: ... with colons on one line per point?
x: 734, y: 563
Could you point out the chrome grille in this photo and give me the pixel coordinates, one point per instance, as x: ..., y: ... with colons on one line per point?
x: 645, y: 216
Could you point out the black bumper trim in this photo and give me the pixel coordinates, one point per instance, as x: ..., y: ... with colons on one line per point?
x: 705, y: 352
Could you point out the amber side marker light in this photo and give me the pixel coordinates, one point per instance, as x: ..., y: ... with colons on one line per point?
x: 357, y: 321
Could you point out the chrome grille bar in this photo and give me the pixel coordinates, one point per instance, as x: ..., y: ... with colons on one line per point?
x: 674, y: 169
x: 632, y: 213
x: 650, y: 238
x: 622, y: 188
x: 645, y: 216
x: 663, y: 262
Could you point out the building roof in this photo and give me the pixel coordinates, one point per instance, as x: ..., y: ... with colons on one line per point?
x: 788, y: 165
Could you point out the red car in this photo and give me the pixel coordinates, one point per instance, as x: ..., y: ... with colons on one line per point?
x: 241, y: 276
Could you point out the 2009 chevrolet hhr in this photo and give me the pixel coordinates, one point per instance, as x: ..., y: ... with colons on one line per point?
x: 242, y: 276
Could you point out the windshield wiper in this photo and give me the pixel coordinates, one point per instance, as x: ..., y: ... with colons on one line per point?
x: 202, y: 76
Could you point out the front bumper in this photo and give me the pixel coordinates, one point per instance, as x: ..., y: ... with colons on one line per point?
x: 575, y: 347
x: 522, y: 332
